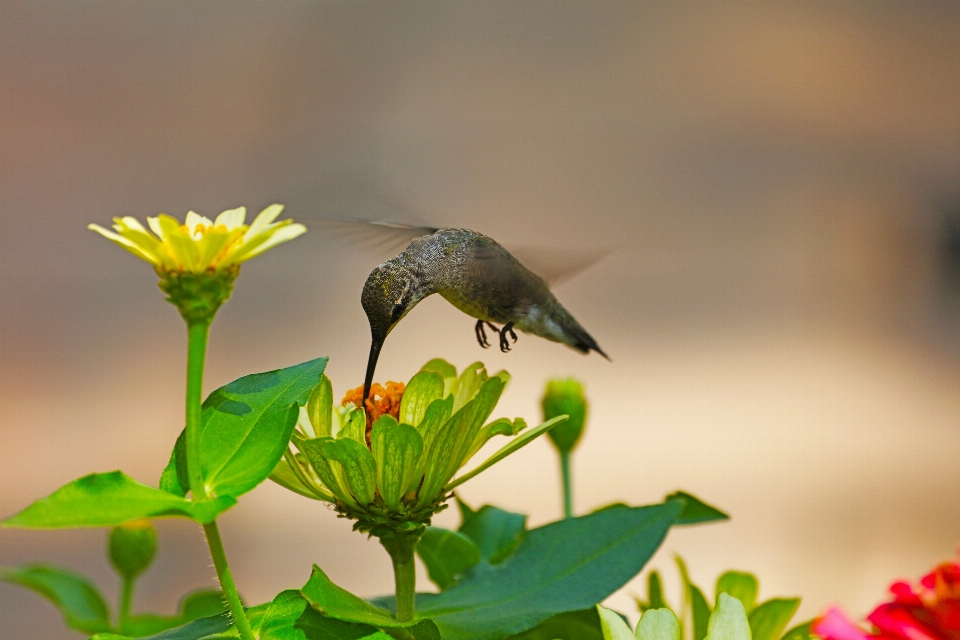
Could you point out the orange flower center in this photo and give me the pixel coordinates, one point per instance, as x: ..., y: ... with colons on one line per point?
x: 380, y: 402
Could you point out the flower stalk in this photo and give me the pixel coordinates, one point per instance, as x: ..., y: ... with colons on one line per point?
x: 215, y: 544
x: 401, y: 546
x: 197, y: 334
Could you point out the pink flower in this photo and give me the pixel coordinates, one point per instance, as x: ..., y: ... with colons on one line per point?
x: 929, y: 610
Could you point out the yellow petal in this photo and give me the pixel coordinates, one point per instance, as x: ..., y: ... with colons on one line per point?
x: 131, y: 222
x: 182, y: 248
x: 263, y: 219
x: 155, y: 226
x: 126, y: 244
x: 232, y: 218
x: 285, y: 234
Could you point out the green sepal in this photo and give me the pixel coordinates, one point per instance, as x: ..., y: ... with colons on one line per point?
x: 423, y: 389
x: 446, y: 370
x: 800, y: 632
x: 695, y: 510
x: 741, y: 585
x: 80, y: 602
x: 445, y: 453
x: 433, y: 421
x: 658, y: 624
x: 108, y: 499
x: 655, y: 597
x: 396, y: 450
x: 446, y: 554
x: 614, y: 627
x: 694, y: 600
x: 495, y: 532
x: 359, y: 467
x: 729, y: 620
x: 320, y: 408
x: 471, y: 380
x: 499, y: 427
x: 336, y: 602
x: 332, y: 476
x: 285, y: 476
x: 512, y: 446
x: 768, y: 620
x: 354, y: 426
x: 132, y: 547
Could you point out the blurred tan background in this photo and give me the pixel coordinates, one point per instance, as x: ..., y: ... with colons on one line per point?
x: 781, y: 182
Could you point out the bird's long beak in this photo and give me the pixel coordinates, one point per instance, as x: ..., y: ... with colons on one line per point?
x: 375, y: 346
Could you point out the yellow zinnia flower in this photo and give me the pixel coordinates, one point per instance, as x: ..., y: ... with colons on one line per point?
x: 201, y: 244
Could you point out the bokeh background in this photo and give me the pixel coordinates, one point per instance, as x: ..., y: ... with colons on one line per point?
x: 779, y: 183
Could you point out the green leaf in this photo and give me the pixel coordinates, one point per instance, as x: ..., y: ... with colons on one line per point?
x: 107, y: 499
x: 695, y: 510
x: 359, y: 467
x: 445, y: 453
x: 695, y: 601
x: 800, y: 632
x: 740, y: 585
x: 469, y: 384
x: 515, y: 444
x: 335, y: 602
x: 614, y: 628
x: 218, y: 627
x: 423, y: 388
x: 655, y: 591
x: 563, y: 566
x: 80, y: 602
x: 195, y: 605
x: 729, y: 620
x: 446, y: 555
x: 570, y: 625
x: 658, y: 624
x: 290, y: 617
x: 174, y: 478
x: 320, y: 408
x: 446, y: 370
x: 501, y: 426
x: 396, y: 450
x: 495, y: 532
x: 246, y: 425
x: 768, y: 621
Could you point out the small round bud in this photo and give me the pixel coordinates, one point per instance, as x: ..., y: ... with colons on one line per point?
x: 132, y: 546
x: 565, y: 397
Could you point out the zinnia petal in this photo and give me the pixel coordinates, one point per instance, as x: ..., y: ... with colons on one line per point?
x: 835, y: 625
x: 263, y: 219
x: 285, y: 234
x: 232, y: 218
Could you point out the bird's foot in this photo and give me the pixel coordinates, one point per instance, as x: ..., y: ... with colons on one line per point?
x: 504, y: 343
x: 482, y: 334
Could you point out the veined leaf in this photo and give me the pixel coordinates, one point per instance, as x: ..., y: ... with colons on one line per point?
x: 80, y: 602
x: 564, y: 566
x: 336, y: 602
x: 570, y: 625
x: 446, y: 554
x: 108, y: 499
x: 246, y: 425
x: 218, y: 627
x: 768, y: 621
x: 290, y: 617
x: 423, y: 388
x: 396, y: 449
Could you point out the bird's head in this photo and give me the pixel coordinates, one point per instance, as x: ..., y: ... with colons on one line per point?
x: 388, y: 295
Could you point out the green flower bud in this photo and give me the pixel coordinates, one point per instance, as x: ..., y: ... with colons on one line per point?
x: 565, y: 396
x: 132, y: 546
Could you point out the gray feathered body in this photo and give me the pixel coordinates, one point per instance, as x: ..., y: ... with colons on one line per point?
x: 482, y: 279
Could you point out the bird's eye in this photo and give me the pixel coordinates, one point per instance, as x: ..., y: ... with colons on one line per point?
x: 397, y: 312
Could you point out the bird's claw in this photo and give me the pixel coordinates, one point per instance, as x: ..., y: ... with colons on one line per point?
x: 504, y: 343
x: 482, y: 334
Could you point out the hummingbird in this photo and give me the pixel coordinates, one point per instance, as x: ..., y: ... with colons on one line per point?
x: 475, y: 274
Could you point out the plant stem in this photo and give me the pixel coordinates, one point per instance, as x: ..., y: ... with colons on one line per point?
x: 196, y: 351
x: 401, y: 547
x: 126, y: 601
x: 226, y: 580
x: 567, y: 488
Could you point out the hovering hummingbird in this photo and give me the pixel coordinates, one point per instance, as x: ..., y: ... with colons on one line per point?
x: 476, y: 275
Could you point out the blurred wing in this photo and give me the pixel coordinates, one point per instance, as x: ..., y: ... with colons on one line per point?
x: 374, y: 235
x: 557, y: 265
